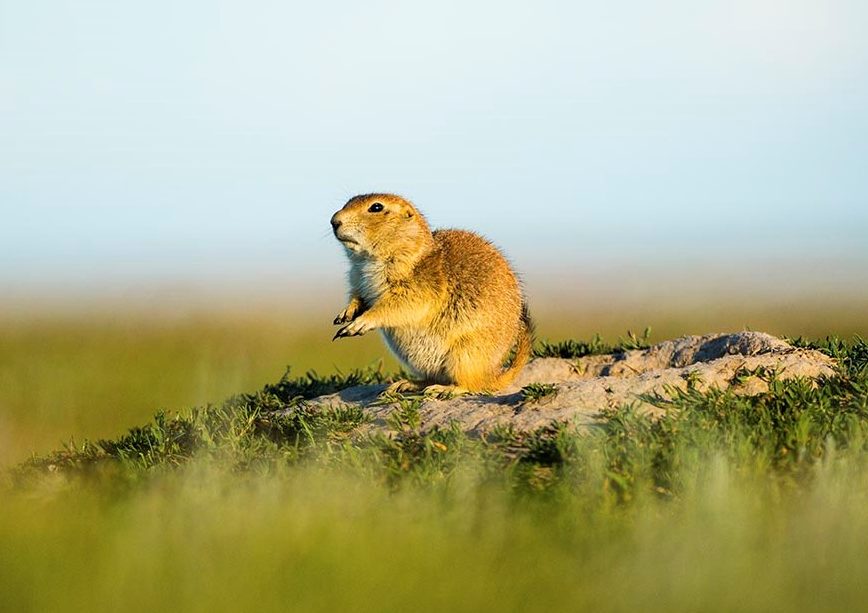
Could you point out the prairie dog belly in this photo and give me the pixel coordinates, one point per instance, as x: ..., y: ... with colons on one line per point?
x: 420, y: 351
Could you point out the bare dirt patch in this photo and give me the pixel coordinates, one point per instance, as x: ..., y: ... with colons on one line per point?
x: 579, y: 390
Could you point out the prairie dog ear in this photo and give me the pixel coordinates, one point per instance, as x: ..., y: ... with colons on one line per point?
x: 408, y: 213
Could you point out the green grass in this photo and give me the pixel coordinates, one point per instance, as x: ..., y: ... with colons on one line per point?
x: 788, y: 428
x: 726, y: 503
x: 596, y: 346
x: 80, y: 378
x: 70, y: 373
x: 535, y: 392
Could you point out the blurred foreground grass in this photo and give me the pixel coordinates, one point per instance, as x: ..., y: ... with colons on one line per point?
x: 315, y: 538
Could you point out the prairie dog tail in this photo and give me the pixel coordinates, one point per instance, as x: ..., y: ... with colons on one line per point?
x: 523, y: 350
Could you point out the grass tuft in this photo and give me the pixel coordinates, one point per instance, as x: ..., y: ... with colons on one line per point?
x: 571, y: 349
x: 534, y: 392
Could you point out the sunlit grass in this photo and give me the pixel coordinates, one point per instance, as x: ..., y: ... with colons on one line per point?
x: 85, y: 378
x: 725, y: 503
x: 728, y: 504
x: 316, y: 538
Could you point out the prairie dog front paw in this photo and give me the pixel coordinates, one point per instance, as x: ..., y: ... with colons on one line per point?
x: 353, y: 310
x: 357, y: 327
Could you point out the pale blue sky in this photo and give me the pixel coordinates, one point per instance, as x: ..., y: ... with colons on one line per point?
x: 202, y: 138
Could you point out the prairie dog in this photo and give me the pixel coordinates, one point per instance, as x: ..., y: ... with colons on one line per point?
x: 447, y: 303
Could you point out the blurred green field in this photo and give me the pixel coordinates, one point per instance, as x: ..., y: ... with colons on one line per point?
x: 87, y: 377
x: 740, y: 522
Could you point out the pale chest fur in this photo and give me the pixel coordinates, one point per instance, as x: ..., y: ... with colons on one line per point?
x: 420, y: 349
x: 368, y: 279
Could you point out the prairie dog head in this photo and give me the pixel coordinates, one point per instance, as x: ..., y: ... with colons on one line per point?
x: 381, y: 227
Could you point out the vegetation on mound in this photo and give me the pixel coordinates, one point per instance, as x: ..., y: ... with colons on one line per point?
x: 571, y: 349
x: 784, y: 431
x: 535, y: 392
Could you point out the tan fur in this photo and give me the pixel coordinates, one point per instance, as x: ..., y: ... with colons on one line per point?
x: 446, y: 302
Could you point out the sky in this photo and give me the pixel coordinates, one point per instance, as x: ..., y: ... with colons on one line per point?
x: 207, y: 139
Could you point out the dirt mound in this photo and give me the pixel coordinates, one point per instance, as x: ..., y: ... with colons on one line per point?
x: 580, y: 388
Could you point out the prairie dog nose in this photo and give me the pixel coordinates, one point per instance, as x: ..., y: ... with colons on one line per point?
x: 336, y: 222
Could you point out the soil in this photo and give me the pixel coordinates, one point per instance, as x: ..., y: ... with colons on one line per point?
x: 586, y: 386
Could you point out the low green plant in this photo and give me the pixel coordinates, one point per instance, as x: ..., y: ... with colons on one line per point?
x: 534, y: 392
x: 570, y: 349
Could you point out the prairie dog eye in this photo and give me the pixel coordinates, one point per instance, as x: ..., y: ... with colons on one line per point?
x: 375, y: 208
